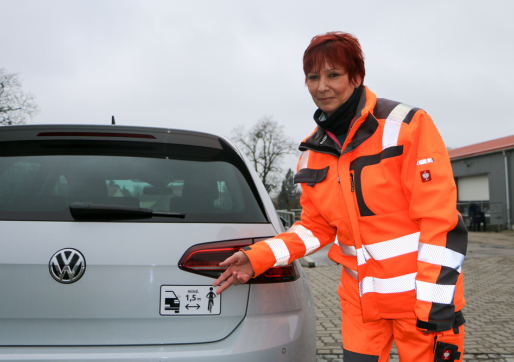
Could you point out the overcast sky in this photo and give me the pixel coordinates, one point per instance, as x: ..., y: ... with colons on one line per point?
x: 212, y: 65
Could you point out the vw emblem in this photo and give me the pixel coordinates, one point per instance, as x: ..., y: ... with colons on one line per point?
x: 67, y: 266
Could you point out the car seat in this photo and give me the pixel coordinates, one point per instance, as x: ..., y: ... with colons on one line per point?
x: 198, y: 197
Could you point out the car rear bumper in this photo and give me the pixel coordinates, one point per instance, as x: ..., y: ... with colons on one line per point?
x: 269, y: 332
x: 247, y: 343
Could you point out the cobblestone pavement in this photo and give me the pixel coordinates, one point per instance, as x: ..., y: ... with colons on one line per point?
x: 488, y: 289
x: 467, y: 358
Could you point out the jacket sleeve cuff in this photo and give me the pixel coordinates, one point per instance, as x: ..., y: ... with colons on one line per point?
x: 435, y: 326
x: 261, y: 257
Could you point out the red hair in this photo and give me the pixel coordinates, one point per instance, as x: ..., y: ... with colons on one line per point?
x: 336, y: 49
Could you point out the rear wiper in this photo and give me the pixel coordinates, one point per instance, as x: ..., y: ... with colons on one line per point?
x: 80, y: 210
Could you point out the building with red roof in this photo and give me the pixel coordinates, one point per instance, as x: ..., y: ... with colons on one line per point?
x: 497, y: 145
x: 484, y: 174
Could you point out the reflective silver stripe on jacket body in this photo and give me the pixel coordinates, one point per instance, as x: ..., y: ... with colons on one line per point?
x: 428, y: 292
x: 304, y: 159
x: 309, y: 240
x: 348, y: 250
x: 439, y: 255
x: 352, y: 273
x: 399, y: 284
x: 280, y: 251
x: 362, y: 256
x: 394, y: 247
x: 393, y: 125
x: 388, y: 249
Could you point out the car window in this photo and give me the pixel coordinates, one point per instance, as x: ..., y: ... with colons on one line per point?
x: 208, y: 185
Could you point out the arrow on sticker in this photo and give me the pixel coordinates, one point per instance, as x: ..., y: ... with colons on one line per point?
x: 193, y: 306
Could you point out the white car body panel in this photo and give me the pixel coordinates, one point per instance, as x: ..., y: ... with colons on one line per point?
x: 112, y: 312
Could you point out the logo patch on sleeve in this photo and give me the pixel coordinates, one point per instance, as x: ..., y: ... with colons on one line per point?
x: 426, y: 176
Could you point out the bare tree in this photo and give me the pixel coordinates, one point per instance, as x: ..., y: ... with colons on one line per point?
x: 289, y: 196
x: 15, y: 105
x: 265, y: 145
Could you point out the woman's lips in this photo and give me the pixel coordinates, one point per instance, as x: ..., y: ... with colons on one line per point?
x: 325, y: 100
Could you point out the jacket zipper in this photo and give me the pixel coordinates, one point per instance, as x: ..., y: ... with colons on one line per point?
x: 351, y: 178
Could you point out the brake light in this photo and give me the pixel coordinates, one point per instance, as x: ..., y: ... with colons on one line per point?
x: 204, y: 259
x: 278, y: 274
x: 94, y: 134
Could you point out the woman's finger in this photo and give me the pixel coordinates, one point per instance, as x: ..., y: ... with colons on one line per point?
x: 230, y: 260
x: 243, y: 278
x: 224, y: 286
x: 235, y: 279
x: 226, y: 274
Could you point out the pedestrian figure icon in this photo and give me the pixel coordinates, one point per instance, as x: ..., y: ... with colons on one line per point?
x: 211, y: 297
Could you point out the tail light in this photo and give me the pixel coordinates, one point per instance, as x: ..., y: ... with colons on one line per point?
x: 204, y: 259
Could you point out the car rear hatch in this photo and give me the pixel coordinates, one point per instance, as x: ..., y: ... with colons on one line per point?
x: 69, y: 279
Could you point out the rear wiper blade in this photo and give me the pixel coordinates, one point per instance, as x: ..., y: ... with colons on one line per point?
x: 80, y: 210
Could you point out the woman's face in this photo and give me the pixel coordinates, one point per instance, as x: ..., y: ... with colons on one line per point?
x: 330, y: 87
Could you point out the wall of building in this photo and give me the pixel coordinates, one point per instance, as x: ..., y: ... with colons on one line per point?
x: 492, y: 164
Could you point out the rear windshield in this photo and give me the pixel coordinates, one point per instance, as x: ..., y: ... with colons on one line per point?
x: 39, y: 180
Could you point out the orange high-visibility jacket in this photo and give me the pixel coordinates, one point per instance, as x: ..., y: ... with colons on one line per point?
x: 389, y: 196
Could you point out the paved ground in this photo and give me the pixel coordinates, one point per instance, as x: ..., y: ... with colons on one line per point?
x: 488, y: 289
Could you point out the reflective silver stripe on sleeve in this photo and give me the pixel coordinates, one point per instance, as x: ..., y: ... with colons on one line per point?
x: 394, y: 247
x: 439, y: 255
x: 399, y: 284
x: 435, y: 293
x: 280, y: 251
x: 336, y: 242
x: 348, y: 250
x: 362, y: 256
x: 304, y: 158
x: 352, y: 273
x: 309, y: 240
x: 425, y: 161
x: 393, y: 124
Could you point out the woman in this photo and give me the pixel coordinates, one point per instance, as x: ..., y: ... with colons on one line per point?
x: 376, y: 174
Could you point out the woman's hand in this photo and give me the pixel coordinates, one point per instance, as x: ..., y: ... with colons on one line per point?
x: 239, y: 271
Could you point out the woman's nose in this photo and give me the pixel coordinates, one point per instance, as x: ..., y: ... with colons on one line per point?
x: 322, y: 86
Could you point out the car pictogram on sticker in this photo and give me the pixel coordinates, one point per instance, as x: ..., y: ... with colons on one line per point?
x: 172, y: 303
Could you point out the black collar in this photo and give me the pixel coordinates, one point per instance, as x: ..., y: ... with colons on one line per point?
x: 339, y: 122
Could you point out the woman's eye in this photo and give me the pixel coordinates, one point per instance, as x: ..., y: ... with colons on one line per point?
x: 333, y: 75
x: 313, y: 77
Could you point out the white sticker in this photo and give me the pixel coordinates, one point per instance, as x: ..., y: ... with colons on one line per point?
x: 190, y: 300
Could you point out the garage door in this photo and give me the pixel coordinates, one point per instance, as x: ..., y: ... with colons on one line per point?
x: 473, y: 188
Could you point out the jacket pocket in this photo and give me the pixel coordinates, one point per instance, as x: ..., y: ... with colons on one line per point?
x: 311, y: 176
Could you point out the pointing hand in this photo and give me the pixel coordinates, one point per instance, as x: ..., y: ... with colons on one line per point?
x: 239, y: 271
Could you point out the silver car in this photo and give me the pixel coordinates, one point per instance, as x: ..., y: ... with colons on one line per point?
x: 111, y: 240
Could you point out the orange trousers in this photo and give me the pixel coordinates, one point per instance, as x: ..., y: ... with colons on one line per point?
x: 372, y: 341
